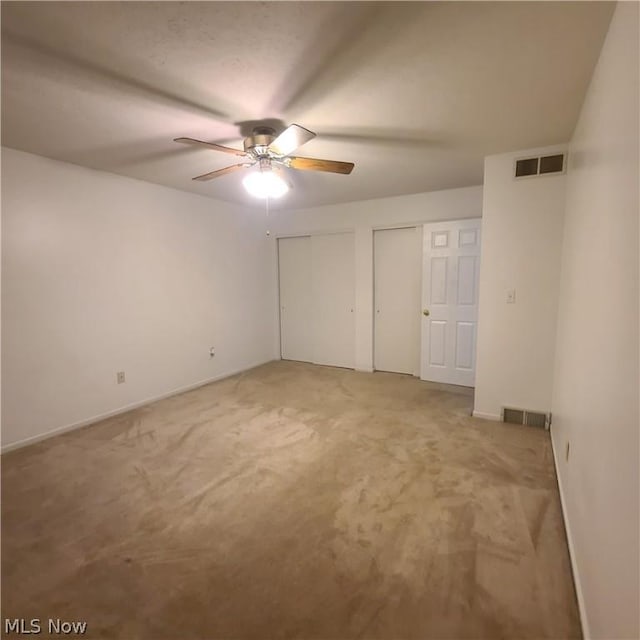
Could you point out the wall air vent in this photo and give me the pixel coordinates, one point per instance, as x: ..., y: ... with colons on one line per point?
x: 552, y: 164
x: 529, y: 167
x: 523, y: 416
x: 526, y: 167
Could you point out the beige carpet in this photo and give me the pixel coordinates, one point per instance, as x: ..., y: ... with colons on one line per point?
x: 291, y: 501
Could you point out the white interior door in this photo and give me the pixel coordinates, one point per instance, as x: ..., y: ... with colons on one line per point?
x: 451, y: 268
x: 397, y: 274
x: 296, y: 298
x: 333, y: 287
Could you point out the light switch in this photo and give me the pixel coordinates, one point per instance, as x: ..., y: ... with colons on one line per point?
x: 511, y: 296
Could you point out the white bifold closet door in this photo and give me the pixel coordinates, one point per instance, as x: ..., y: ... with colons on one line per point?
x: 317, y: 294
x: 333, y: 288
x: 397, y: 258
x: 296, y: 299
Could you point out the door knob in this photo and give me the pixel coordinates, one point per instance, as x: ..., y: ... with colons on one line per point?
x: 425, y: 312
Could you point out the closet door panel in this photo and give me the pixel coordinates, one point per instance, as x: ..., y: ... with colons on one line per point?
x: 397, y: 278
x: 296, y: 299
x: 333, y: 289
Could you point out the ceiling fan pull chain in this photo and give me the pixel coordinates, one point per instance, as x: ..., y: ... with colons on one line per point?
x: 266, y: 201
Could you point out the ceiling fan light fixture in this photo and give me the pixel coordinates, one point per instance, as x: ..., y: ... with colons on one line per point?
x: 265, y: 184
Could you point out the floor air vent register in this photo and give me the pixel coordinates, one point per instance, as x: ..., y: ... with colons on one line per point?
x: 523, y: 416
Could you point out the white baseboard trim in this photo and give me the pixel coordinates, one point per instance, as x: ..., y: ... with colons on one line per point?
x: 365, y: 369
x: 487, y: 416
x: 129, y: 407
x: 586, y: 633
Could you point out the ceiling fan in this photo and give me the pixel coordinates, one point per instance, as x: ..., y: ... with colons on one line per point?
x: 264, y: 149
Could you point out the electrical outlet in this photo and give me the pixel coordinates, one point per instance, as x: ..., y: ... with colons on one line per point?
x: 566, y: 452
x: 212, y: 352
x: 511, y: 296
x: 120, y: 377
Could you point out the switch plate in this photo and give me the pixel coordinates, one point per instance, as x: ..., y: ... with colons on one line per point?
x: 511, y: 296
x: 120, y: 377
x: 212, y: 352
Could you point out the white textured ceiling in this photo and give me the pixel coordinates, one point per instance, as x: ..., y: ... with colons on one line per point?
x: 416, y: 93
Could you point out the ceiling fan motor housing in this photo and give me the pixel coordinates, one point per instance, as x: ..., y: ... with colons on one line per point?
x: 259, y: 140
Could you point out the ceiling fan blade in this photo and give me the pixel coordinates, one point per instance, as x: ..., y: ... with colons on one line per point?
x: 221, y: 172
x: 211, y: 145
x: 290, y: 139
x: 315, y: 164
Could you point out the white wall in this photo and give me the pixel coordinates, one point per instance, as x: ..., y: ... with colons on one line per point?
x: 595, y: 395
x: 521, y: 244
x: 101, y: 274
x: 365, y: 216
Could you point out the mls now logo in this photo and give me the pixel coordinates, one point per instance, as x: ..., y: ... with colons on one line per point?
x: 57, y: 626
